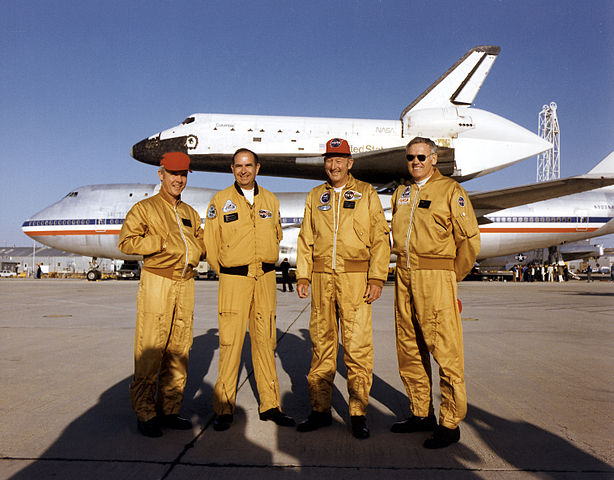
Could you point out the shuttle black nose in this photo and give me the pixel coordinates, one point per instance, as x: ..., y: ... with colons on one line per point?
x: 150, y: 150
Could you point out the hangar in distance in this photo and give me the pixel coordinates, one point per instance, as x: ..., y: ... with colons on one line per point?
x: 472, y: 142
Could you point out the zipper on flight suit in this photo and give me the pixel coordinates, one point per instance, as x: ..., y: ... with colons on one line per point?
x: 184, y: 240
x: 335, y: 224
x: 411, y: 219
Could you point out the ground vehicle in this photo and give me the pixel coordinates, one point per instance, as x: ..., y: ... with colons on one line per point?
x: 130, y: 270
x: 7, y: 273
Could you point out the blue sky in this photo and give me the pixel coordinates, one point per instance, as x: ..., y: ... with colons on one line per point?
x: 82, y: 81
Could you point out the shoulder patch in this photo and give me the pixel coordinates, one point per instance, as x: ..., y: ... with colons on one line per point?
x: 212, y: 212
x: 461, y: 201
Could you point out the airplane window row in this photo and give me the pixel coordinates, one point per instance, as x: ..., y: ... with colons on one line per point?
x: 109, y: 221
x: 535, y: 219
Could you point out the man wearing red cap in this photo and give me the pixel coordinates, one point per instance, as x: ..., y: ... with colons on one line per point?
x: 168, y: 234
x: 343, y: 252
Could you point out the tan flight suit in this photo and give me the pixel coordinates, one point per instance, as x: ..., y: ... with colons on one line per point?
x: 242, y: 246
x: 343, y: 245
x: 436, y: 239
x: 170, y: 239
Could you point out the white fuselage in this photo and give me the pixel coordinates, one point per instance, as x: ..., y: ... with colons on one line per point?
x: 88, y: 220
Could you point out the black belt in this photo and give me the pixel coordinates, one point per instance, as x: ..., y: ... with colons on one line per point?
x: 243, y: 269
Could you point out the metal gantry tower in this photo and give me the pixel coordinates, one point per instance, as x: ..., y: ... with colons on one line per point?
x: 549, y: 162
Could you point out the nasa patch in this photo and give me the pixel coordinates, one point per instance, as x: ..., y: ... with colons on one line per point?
x: 335, y: 143
x: 461, y: 201
x: 403, y: 201
x: 407, y: 192
x: 324, y: 207
x: 352, y: 195
x: 265, y: 214
x: 325, y: 198
x: 229, y: 207
x: 212, y: 212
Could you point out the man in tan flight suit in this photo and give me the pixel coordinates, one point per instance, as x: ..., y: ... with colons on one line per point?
x: 167, y: 233
x: 436, y: 239
x: 344, y: 252
x: 242, y: 234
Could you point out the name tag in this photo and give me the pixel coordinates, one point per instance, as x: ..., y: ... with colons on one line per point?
x: 186, y: 222
x: 424, y: 204
x: 349, y: 204
x: 231, y: 217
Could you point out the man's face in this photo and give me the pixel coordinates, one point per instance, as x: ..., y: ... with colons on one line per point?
x: 338, y: 169
x: 245, y: 170
x: 173, y: 182
x: 417, y: 169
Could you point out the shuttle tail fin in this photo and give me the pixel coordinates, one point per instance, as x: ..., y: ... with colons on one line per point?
x: 605, y: 166
x: 461, y: 83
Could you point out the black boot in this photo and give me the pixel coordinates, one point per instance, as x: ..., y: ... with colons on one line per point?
x: 175, y: 422
x: 359, y: 426
x: 315, y: 420
x: 222, y: 422
x: 415, y: 424
x: 150, y: 428
x: 442, y: 437
x: 277, y: 416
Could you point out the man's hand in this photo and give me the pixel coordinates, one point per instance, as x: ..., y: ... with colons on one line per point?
x: 372, y: 293
x: 302, y: 289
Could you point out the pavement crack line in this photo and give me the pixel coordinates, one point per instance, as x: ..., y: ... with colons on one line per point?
x: 210, y: 419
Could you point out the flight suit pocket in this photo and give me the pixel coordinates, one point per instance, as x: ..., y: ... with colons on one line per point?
x: 181, y: 336
x: 228, y: 326
x: 362, y: 233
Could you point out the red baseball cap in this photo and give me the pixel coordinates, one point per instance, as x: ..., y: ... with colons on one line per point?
x: 175, y: 161
x: 337, y: 146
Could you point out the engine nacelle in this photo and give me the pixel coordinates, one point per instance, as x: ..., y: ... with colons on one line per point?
x: 436, y: 122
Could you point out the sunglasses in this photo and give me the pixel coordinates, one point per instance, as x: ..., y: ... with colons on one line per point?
x: 422, y: 158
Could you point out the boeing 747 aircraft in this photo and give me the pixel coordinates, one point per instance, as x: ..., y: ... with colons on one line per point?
x: 472, y: 142
x: 87, y: 221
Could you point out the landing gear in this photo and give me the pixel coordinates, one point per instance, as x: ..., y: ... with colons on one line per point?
x: 94, y: 274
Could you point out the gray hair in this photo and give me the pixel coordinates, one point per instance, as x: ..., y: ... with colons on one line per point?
x: 427, y: 141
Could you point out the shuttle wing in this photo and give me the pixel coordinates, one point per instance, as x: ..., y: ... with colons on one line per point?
x: 494, y: 200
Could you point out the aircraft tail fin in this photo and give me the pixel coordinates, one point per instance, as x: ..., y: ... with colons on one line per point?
x: 604, y: 166
x: 461, y: 83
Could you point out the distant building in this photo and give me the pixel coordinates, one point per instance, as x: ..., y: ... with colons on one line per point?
x: 22, y: 259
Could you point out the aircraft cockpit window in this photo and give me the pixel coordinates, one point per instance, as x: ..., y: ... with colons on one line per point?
x: 72, y: 194
x: 188, y: 120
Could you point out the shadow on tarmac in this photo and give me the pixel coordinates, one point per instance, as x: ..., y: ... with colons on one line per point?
x: 104, y: 442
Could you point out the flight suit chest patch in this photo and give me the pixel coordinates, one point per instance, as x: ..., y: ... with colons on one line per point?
x: 265, y: 214
x: 186, y: 222
x: 349, y: 204
x: 229, y: 206
x: 424, y: 204
x: 231, y: 217
x: 324, y: 207
x: 352, y: 195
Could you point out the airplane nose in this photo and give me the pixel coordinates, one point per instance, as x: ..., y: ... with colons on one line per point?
x: 150, y: 150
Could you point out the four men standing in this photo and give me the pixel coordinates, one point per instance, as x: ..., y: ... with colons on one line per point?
x: 343, y: 254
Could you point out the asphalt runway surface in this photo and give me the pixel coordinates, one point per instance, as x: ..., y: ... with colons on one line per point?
x: 538, y: 364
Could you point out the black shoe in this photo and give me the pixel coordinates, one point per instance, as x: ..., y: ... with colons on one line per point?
x: 222, y: 422
x: 442, y: 437
x: 277, y: 416
x: 175, y: 422
x: 359, y: 426
x: 415, y: 424
x: 315, y: 420
x: 150, y: 428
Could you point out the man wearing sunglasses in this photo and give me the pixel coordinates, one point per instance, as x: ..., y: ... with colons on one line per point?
x: 436, y: 239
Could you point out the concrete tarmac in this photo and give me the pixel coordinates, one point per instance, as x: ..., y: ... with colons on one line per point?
x: 538, y: 363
